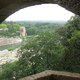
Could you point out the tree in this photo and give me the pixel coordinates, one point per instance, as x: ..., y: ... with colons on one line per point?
x: 32, y: 30
x: 41, y: 53
x: 16, y: 27
x: 70, y: 39
x: 3, y: 26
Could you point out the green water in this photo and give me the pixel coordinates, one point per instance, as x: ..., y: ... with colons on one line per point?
x: 11, y: 46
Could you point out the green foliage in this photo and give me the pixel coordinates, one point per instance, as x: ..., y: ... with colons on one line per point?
x: 16, y: 27
x: 35, y: 56
x: 8, y: 71
x: 11, y: 49
x: 75, y: 35
x: 13, y: 29
x: 3, y: 26
x: 32, y: 31
x: 40, y: 53
x: 74, y: 23
x: 70, y: 39
x: 58, y: 50
x: 33, y: 28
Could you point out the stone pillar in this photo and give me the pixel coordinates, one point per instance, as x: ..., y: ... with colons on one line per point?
x: 22, y: 31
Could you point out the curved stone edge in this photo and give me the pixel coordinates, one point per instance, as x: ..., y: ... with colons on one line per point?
x: 10, y: 6
x: 53, y: 75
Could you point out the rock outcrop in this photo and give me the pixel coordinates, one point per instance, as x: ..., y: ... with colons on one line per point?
x: 8, y: 56
x: 7, y: 41
x: 7, y: 7
x: 22, y: 31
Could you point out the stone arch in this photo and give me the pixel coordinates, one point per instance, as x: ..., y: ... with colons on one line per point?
x: 8, y: 7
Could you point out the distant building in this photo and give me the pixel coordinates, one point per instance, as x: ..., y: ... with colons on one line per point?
x: 22, y: 31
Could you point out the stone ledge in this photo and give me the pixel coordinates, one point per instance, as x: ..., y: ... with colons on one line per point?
x: 53, y: 75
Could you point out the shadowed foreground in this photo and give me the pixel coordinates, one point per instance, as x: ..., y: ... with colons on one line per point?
x: 53, y: 75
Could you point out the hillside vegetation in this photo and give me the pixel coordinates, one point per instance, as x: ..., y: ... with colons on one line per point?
x: 46, y: 48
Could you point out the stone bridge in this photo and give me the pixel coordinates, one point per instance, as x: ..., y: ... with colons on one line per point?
x: 8, y: 7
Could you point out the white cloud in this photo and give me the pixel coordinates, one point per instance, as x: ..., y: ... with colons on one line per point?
x: 41, y: 12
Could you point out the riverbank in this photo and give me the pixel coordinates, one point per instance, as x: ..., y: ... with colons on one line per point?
x: 11, y: 40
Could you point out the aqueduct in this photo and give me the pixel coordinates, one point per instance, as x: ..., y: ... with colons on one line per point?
x: 8, y: 7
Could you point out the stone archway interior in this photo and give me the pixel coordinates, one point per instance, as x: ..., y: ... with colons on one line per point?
x: 8, y: 7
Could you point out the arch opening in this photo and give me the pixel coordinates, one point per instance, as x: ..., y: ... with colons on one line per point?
x: 34, y: 48
x: 44, y: 12
x: 10, y: 7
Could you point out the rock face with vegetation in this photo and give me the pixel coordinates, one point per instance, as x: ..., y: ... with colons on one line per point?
x: 7, y: 56
x: 7, y: 41
x: 10, y: 6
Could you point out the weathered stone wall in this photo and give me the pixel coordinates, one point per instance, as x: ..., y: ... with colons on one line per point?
x: 53, y: 75
x: 7, y: 7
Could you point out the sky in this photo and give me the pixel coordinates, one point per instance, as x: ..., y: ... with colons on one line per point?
x: 43, y: 12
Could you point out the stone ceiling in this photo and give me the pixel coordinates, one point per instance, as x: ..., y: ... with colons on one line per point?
x: 8, y: 7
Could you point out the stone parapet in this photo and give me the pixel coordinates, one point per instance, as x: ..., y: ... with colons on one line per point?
x: 53, y: 75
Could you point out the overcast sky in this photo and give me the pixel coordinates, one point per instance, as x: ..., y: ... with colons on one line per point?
x: 48, y: 12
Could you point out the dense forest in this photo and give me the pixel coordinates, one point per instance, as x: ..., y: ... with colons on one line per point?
x: 48, y: 46
x: 32, y: 28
